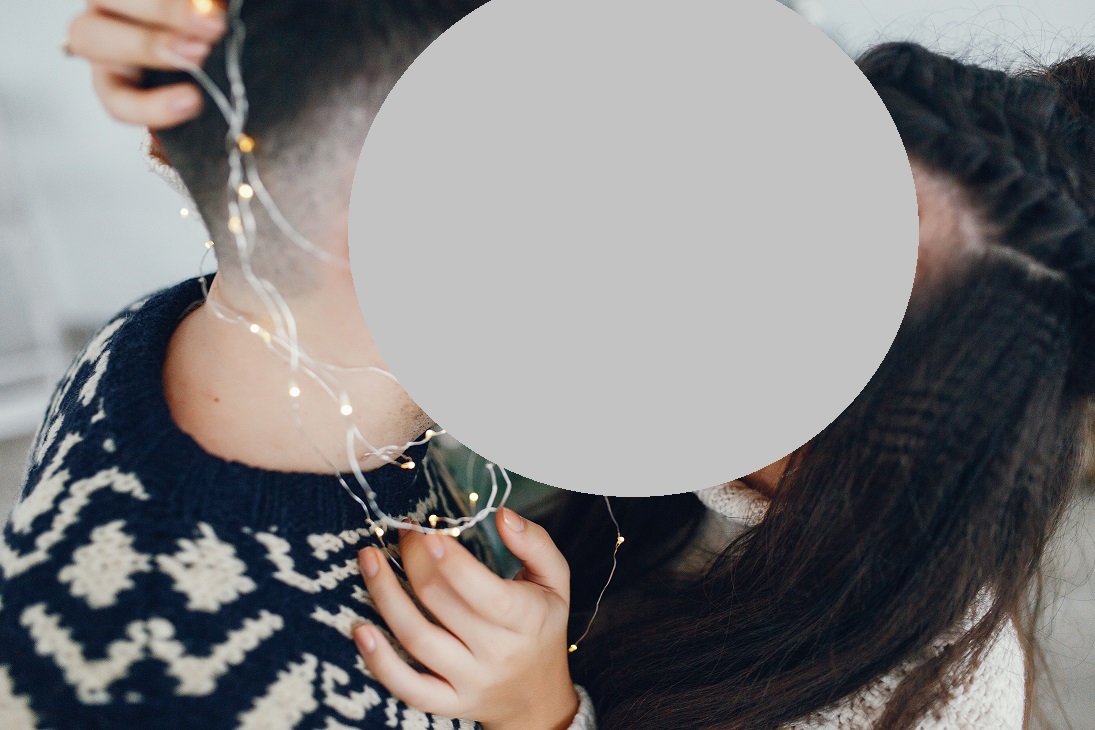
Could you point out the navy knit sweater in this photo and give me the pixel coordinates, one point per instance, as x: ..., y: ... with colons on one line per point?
x: 148, y: 584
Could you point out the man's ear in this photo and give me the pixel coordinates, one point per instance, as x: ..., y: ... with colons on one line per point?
x: 158, y: 163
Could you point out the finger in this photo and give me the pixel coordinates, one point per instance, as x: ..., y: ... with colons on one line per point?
x: 459, y: 590
x: 530, y: 543
x: 424, y: 692
x: 159, y: 108
x: 202, y: 18
x: 425, y: 641
x: 105, y: 39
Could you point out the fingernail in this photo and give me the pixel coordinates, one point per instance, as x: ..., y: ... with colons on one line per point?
x: 185, y: 103
x: 207, y: 17
x: 513, y: 520
x: 435, y: 546
x: 365, y: 638
x: 191, y: 50
x: 370, y: 566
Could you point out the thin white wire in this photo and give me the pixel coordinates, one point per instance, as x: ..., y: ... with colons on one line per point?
x: 243, y: 169
x: 611, y: 573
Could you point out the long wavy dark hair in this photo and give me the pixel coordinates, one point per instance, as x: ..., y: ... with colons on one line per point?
x: 946, y: 476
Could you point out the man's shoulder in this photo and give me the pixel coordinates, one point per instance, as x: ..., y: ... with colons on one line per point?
x: 77, y: 474
x: 144, y: 586
x: 75, y: 469
x: 78, y: 399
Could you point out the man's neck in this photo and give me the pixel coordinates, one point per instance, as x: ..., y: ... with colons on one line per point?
x: 231, y: 393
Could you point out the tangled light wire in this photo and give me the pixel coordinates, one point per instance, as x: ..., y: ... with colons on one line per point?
x: 245, y: 187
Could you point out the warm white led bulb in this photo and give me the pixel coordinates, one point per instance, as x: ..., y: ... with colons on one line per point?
x: 184, y: 212
x: 473, y: 497
x: 255, y: 329
x: 346, y: 409
x: 246, y: 191
x: 235, y: 224
x: 294, y: 392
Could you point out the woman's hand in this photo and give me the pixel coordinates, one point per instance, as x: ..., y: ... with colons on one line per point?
x: 122, y: 37
x: 501, y: 657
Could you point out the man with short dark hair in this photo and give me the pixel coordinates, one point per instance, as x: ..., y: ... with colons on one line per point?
x: 183, y: 553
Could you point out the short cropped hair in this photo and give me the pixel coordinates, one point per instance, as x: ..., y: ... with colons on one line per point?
x: 316, y: 72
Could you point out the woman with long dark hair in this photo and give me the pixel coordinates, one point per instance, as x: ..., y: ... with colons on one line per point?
x: 886, y: 574
x: 889, y: 569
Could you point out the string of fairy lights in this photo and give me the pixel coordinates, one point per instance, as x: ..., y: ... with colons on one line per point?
x: 245, y: 191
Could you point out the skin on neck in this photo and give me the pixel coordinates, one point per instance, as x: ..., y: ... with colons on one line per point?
x: 230, y: 393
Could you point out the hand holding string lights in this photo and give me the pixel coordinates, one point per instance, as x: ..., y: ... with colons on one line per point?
x: 246, y: 190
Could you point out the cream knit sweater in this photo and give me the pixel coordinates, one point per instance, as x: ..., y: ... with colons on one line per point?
x: 993, y: 699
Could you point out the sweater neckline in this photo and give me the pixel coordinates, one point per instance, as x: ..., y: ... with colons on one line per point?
x: 134, y: 399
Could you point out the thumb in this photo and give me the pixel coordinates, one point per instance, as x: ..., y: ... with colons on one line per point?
x: 530, y: 543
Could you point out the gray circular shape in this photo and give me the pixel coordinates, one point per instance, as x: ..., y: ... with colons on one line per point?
x: 633, y: 248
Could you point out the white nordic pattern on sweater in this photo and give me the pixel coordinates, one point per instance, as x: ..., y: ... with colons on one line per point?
x: 198, y: 675
x: 90, y: 677
x: 14, y: 709
x: 68, y: 512
x: 287, y: 701
x: 205, y: 569
x: 104, y: 568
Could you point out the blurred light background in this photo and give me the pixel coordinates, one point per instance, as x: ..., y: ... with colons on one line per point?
x: 85, y: 229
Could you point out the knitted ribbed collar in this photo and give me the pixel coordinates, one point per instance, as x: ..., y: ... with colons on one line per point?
x: 137, y: 420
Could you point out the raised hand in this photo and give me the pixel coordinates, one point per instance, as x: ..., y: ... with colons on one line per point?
x: 499, y: 655
x: 121, y: 38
